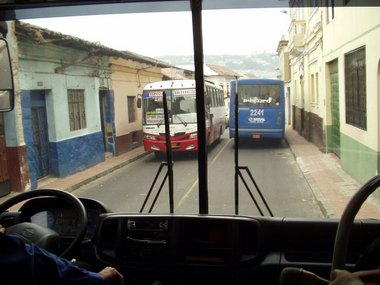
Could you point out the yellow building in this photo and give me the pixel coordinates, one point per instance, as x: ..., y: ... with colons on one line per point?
x: 128, y: 78
x: 305, y: 56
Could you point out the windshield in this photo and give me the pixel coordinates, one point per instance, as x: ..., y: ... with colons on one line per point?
x: 83, y: 100
x: 259, y: 95
x: 181, y: 105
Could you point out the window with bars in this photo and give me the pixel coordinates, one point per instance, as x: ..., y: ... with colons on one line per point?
x: 77, y: 112
x: 355, y: 85
x: 131, y: 109
x: 346, y: 2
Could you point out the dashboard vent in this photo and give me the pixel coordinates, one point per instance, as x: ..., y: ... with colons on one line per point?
x: 108, y: 236
x: 108, y: 231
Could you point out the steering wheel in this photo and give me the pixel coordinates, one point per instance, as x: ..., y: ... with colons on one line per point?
x: 293, y: 275
x: 347, y: 220
x: 40, y: 235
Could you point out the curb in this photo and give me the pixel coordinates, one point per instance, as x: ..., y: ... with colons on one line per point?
x: 310, y: 181
x: 75, y: 186
x: 104, y: 172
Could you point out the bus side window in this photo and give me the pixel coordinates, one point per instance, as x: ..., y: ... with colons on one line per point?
x: 207, y: 102
x: 208, y: 96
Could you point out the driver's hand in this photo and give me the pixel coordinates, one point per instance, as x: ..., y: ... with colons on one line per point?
x: 343, y: 277
x: 357, y: 278
x: 112, y: 276
x: 2, y: 229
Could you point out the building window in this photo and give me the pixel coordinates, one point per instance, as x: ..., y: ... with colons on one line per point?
x: 355, y: 85
x: 346, y: 2
x: 317, y: 88
x: 131, y: 109
x: 330, y: 6
x: 77, y: 112
x: 312, y: 87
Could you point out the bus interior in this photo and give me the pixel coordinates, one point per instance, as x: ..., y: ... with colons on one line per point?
x: 188, y: 248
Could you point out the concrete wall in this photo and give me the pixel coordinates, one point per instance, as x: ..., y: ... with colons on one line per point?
x: 349, y: 30
x: 54, y: 70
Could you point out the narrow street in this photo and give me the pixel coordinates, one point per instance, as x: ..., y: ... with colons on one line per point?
x: 331, y: 186
x: 126, y: 188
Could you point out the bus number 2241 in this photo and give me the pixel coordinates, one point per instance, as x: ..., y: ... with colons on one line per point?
x: 257, y: 112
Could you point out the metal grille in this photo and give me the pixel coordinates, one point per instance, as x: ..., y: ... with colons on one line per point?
x: 77, y: 112
x: 355, y: 85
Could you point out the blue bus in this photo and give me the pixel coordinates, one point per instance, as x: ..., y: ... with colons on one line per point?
x: 260, y: 108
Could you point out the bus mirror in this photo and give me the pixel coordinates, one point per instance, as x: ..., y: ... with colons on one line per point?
x: 6, y: 78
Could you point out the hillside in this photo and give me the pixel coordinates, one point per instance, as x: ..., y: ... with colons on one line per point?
x: 258, y: 64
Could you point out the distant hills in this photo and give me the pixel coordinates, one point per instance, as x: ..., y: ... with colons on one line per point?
x: 262, y: 65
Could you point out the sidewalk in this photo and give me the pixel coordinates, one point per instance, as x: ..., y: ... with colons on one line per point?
x: 73, y: 182
x: 332, y: 187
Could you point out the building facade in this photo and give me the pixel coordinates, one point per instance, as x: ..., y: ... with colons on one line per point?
x: 128, y: 78
x: 351, y: 63
x: 71, y: 78
x: 334, y: 59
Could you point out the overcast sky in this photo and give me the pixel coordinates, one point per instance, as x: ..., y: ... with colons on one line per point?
x: 155, y: 34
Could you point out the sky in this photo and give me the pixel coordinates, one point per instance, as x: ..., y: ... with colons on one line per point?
x: 237, y: 32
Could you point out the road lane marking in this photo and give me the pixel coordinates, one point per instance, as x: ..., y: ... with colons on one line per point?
x: 220, y: 152
x: 187, y: 194
x: 191, y: 189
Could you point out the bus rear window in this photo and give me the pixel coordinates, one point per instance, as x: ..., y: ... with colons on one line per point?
x: 260, y: 95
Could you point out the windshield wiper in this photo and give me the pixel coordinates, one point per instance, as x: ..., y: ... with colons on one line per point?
x: 181, y: 119
x: 160, y: 122
x: 169, y: 163
x: 238, y: 168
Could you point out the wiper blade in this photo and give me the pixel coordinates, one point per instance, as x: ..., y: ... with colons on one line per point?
x: 160, y: 122
x: 181, y: 119
x: 238, y: 168
x: 169, y: 163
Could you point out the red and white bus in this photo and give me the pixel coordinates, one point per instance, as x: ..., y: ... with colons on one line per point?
x: 181, y: 102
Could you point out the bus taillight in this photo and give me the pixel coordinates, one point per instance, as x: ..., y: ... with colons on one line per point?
x: 279, y: 118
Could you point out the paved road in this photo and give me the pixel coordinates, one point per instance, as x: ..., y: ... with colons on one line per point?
x: 330, y: 184
x: 273, y: 167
